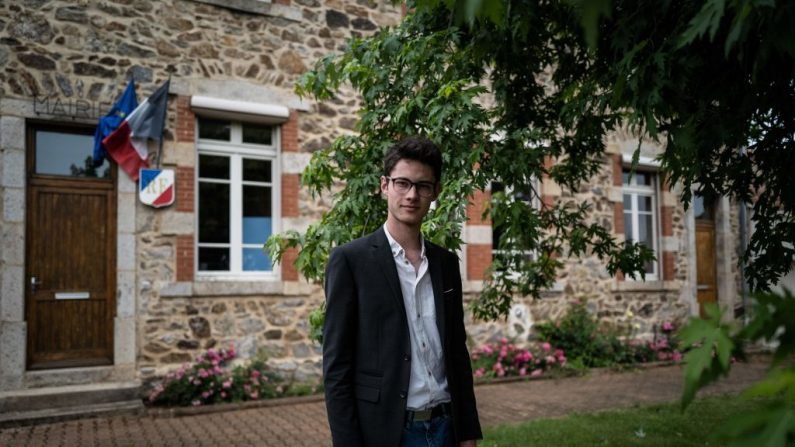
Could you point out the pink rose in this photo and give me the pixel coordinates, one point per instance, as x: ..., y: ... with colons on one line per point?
x: 536, y: 373
x: 667, y: 326
x: 196, y: 402
x: 676, y: 356
x: 522, y: 372
x: 479, y: 372
x: 546, y: 347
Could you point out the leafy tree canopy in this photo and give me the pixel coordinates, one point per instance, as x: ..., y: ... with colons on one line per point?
x: 505, y: 86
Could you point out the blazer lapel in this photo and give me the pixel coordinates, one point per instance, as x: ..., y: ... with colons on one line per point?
x: 382, y: 254
x: 435, y: 267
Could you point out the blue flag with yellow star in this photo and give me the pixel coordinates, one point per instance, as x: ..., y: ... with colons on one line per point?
x: 108, y: 123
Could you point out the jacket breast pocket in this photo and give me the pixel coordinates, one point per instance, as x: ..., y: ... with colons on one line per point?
x: 368, y: 387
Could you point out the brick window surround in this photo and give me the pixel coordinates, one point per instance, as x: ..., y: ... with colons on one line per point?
x: 289, y: 186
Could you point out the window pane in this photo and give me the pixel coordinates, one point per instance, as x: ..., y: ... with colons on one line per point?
x: 644, y: 203
x: 213, y: 212
x: 213, y: 258
x: 698, y: 206
x: 210, y: 129
x: 256, y: 170
x: 213, y: 166
x: 257, y: 134
x: 70, y: 154
x: 648, y: 267
x: 645, y: 230
x: 255, y: 259
x: 639, y: 178
x: 256, y: 214
x: 627, y: 202
x: 628, y: 227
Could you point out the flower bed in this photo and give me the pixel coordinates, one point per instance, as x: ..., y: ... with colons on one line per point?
x: 585, y: 342
x: 212, y: 379
x: 507, y: 359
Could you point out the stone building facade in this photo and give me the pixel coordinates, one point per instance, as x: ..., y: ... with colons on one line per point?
x: 234, y: 130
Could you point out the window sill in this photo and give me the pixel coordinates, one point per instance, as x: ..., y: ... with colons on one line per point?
x: 241, y: 287
x: 258, y: 7
x: 646, y: 286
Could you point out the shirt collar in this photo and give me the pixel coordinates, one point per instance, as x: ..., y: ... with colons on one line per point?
x: 397, y: 249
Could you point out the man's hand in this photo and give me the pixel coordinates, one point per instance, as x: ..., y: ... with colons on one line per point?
x: 470, y: 443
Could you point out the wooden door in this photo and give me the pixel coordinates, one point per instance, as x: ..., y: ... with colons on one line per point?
x: 706, y: 278
x: 70, y: 250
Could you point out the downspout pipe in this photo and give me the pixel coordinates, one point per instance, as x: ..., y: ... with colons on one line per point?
x: 743, y: 248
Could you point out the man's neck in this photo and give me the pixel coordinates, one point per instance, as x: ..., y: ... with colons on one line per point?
x: 407, y: 236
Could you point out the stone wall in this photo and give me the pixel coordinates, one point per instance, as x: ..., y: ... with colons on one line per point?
x: 615, y: 301
x: 245, y: 50
x: 249, y: 50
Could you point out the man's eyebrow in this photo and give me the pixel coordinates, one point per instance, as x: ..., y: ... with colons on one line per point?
x: 428, y: 182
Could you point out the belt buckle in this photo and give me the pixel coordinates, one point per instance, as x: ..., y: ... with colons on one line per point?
x: 423, y: 415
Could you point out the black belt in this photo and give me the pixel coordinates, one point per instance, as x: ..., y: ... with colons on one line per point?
x: 426, y: 415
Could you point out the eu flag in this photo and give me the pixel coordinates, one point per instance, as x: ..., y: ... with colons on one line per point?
x: 108, y: 123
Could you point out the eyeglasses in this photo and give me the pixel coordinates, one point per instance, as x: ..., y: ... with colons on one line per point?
x: 403, y: 186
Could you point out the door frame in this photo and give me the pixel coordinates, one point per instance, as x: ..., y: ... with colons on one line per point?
x: 31, y: 180
x: 725, y: 256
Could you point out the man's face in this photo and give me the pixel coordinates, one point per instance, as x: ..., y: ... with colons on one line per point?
x: 409, y: 207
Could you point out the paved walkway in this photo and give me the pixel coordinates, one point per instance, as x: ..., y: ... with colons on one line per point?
x: 304, y: 424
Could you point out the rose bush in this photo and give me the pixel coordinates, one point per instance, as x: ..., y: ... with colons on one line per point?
x: 506, y: 359
x: 212, y: 379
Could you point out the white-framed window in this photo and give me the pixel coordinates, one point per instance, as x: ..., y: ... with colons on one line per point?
x: 237, y: 197
x: 640, y: 214
x: 498, y: 232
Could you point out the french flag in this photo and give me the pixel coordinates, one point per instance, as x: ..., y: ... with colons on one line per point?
x: 127, y: 145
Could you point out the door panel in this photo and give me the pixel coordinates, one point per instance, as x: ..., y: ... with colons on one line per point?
x: 71, y: 252
x: 705, y: 262
x: 706, y: 277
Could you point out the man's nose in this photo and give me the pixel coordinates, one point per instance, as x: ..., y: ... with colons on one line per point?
x: 412, y: 193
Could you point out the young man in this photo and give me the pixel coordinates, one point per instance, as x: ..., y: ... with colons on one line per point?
x: 395, y: 364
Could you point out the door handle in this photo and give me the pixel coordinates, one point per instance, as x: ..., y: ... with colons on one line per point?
x: 34, y: 283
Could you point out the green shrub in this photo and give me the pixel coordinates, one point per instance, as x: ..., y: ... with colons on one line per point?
x: 589, y: 346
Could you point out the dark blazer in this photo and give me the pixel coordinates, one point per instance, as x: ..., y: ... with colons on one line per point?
x: 366, y: 344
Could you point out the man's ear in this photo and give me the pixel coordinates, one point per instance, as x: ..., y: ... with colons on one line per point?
x: 384, y: 185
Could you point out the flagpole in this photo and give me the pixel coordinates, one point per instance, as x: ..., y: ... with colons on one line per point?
x: 163, y: 126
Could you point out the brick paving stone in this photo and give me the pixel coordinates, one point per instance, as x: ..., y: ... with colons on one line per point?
x: 305, y: 424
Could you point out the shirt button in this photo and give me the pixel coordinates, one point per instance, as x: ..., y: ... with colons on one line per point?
x: 402, y: 395
x: 406, y: 358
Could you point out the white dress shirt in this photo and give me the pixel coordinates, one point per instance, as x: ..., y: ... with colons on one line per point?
x: 428, y: 383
